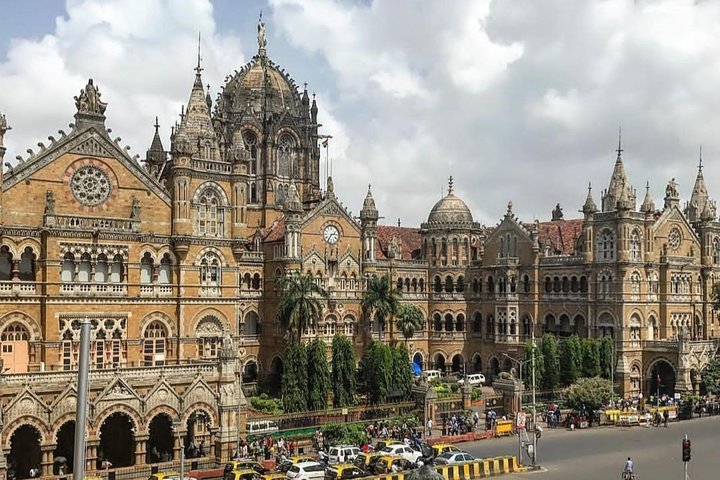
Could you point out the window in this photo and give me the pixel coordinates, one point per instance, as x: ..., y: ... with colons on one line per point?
x: 716, y: 250
x: 101, y: 269
x: 209, y: 332
x: 286, y: 160
x: 477, y: 323
x: 635, y: 328
x: 653, y: 287
x: 165, y: 271
x: 84, y: 268
x: 437, y: 322
x: 526, y: 284
x: 27, y: 265
x: 210, y: 271
x: 437, y: 284
x: 117, y: 271
x: 250, y: 141
x: 154, y: 344
x: 67, y: 272
x: 5, y: 263
x: 635, y: 246
x: 146, y: 269
x: 635, y: 286
x: 606, y: 245
x: 210, y: 214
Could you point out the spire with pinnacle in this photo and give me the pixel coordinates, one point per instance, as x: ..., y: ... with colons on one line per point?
x: 696, y: 206
x: 619, y: 189
x: 648, y: 206
x: 369, y: 211
x: 589, y: 207
x: 450, y: 185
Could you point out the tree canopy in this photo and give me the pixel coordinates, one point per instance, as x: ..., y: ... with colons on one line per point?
x: 711, y: 376
x: 294, y: 386
x: 410, y: 318
x: 551, y: 363
x: 588, y: 393
x: 343, y: 372
x: 318, y: 375
x: 571, y: 357
x: 300, y: 306
x: 607, y: 357
x: 381, y: 301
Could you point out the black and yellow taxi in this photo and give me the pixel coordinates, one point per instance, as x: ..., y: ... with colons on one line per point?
x: 391, y: 464
x: 241, y: 465
x: 367, y: 461
x: 343, y: 471
x: 440, y: 448
x: 243, y: 474
x: 158, y: 476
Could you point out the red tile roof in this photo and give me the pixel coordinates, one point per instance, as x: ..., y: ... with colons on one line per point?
x: 561, y: 235
x: 409, y: 238
x: 276, y: 231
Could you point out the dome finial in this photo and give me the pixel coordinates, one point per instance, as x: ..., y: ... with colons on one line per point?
x: 700, y: 164
x: 198, y: 68
x: 619, y: 149
x: 450, y: 185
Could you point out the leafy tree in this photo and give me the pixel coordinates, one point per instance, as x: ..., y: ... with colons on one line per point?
x: 401, y: 375
x: 607, y: 357
x: 318, y: 375
x: 381, y: 301
x: 294, y: 386
x: 300, y: 305
x: 531, y: 350
x: 410, y: 318
x: 591, y: 357
x: 571, y: 357
x: 343, y: 372
x: 588, y: 393
x: 711, y: 376
x: 550, y: 361
x: 376, y: 368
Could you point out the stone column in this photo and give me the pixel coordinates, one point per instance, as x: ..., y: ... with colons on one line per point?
x: 91, y: 455
x: 46, y: 462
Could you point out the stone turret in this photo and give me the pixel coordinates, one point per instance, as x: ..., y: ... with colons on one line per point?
x: 589, y: 206
x: 648, y: 206
x: 155, y: 157
x: 368, y: 223
x: 619, y: 192
x: 699, y: 199
x: 293, y: 222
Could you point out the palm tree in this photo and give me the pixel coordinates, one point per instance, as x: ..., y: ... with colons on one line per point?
x: 410, y: 318
x: 381, y: 301
x: 300, y: 302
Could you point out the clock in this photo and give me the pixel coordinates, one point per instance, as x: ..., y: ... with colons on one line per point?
x: 331, y: 234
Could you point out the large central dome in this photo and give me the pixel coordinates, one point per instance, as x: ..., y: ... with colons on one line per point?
x: 448, y: 210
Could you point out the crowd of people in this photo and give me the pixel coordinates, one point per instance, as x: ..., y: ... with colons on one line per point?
x: 265, y: 448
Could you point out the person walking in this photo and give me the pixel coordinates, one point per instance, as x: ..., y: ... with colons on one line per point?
x: 666, y: 417
x: 428, y: 427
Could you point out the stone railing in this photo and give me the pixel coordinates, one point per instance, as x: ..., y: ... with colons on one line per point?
x: 659, y: 344
x: 561, y: 259
x: 92, y: 223
x: 250, y: 257
x: 112, y: 289
x: 17, y: 288
x: 211, y: 166
x: 156, y: 290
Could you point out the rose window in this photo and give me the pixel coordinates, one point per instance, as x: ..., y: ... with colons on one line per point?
x: 90, y: 185
x: 674, y: 239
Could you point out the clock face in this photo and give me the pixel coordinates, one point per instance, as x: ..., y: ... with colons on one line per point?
x: 331, y: 234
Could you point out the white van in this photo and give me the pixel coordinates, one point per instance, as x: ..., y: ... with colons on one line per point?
x: 263, y: 426
x: 432, y: 374
x: 306, y: 471
x: 476, y: 380
x: 343, y: 454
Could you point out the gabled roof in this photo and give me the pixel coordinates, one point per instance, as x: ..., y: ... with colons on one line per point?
x: 410, y: 238
x: 561, y: 235
x: 276, y: 231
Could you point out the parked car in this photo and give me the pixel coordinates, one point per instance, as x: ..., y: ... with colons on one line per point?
x: 343, y: 471
x: 367, y: 461
x: 432, y: 375
x: 476, y: 380
x: 243, y: 464
x: 451, y: 458
x: 285, y: 466
x: 343, y: 454
x: 245, y: 474
x: 306, y: 471
x: 385, y: 463
x: 402, y: 450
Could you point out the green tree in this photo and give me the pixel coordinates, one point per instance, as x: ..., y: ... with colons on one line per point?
x: 294, y: 385
x: 711, y: 376
x: 318, y: 375
x: 410, y: 318
x: 588, y: 393
x: 607, y: 357
x: 343, y: 372
x: 401, y: 375
x: 531, y: 350
x: 571, y: 356
x: 300, y: 305
x: 380, y: 302
x: 591, y: 357
x: 376, y: 368
x: 551, y: 361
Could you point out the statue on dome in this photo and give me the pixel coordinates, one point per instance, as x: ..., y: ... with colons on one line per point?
x: 89, y: 100
x: 262, y: 41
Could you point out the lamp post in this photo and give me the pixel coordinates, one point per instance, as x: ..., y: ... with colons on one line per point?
x: 81, y: 401
x: 177, y: 423
x: 520, y: 364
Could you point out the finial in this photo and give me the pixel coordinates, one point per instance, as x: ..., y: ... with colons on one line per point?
x: 509, y: 208
x: 700, y: 164
x: 398, y: 221
x: 647, y: 186
x: 157, y: 125
x: 198, y: 69
x: 208, y: 88
x: 369, y: 187
x: 262, y: 41
x: 589, y: 187
x: 450, y: 185
x: 305, y: 85
x: 619, y: 149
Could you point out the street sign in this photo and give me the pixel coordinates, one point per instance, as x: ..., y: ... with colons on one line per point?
x: 521, y: 419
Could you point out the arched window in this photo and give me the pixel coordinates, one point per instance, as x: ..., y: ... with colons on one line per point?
x: 556, y: 285
x: 84, y: 268
x: 146, y: 269
x: 460, y: 286
x: 606, y: 245
x: 716, y: 250
x: 421, y: 284
x: 635, y: 246
x: 250, y: 141
x: 449, y: 284
x: 286, y: 158
x: 526, y: 326
x: 252, y: 324
x: 652, y: 332
x: 460, y: 322
x: 101, y: 269
x: 117, y: 270
x: 5, y: 263
x: 67, y: 272
x: 15, y: 348
x: 155, y: 344
x: 476, y: 285
x: 477, y: 323
x: 210, y: 214
x: 449, y: 323
x: 256, y: 282
x: 548, y: 285
x: 209, y: 333
x: 399, y: 283
x: 437, y: 284
x: 165, y: 271
x: 491, y: 285
x: 635, y: 286
x: 437, y: 322
x: 490, y: 327
x: 635, y: 328
x: 565, y: 285
x: 583, y: 284
x: 526, y: 284
x: 27, y: 265
x: 210, y: 274
x: 653, y: 287
x: 574, y: 284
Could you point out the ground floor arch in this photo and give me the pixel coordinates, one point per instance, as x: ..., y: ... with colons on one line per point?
x: 161, y: 439
x: 250, y: 371
x: 439, y: 362
x: 275, y: 375
x: 64, y: 450
x: 197, y: 436
x: 661, y: 378
x: 117, y: 441
x: 458, y: 364
x: 24, y: 451
x: 494, y: 367
x: 418, y: 360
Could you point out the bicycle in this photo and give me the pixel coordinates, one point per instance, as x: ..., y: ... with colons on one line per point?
x: 628, y: 476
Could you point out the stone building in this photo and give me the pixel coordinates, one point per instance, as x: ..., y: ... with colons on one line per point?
x: 174, y: 259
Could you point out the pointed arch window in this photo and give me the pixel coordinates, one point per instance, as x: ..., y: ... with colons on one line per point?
x: 716, y: 251
x: 606, y: 245
x: 635, y: 246
x: 210, y: 214
x: 251, y: 145
x: 210, y: 274
x: 155, y: 344
x: 27, y: 265
x: 635, y: 281
x: 286, y: 158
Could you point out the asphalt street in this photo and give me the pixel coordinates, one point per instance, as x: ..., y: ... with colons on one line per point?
x: 600, y: 453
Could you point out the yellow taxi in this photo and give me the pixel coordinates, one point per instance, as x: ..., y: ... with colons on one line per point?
x: 274, y: 476
x: 440, y: 448
x: 245, y: 464
x: 244, y: 474
x: 366, y: 461
x: 343, y: 471
x: 157, y: 476
x: 386, y: 462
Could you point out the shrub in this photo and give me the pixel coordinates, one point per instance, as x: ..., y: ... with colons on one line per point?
x: 266, y: 404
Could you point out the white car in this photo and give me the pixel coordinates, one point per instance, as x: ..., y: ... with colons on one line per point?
x: 451, y: 458
x: 342, y: 454
x: 402, y: 450
x: 306, y: 471
x: 432, y: 375
x: 476, y: 380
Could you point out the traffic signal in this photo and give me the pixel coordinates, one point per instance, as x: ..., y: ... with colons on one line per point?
x: 686, y: 450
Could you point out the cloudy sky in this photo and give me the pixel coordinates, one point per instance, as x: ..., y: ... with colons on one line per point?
x: 517, y: 99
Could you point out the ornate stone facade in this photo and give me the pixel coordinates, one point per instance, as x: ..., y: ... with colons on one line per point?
x: 174, y: 259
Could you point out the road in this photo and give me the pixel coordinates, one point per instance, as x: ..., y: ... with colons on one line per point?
x: 600, y: 453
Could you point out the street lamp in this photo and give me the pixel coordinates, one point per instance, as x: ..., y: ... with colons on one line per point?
x: 520, y: 364
x: 177, y: 423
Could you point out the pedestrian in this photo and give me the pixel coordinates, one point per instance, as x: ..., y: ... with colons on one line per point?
x: 428, y: 427
x: 666, y: 417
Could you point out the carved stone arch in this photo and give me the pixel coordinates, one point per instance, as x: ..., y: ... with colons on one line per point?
x: 548, y: 314
x: 214, y: 251
x: 161, y: 317
x: 285, y: 130
x: 25, y: 320
x: 29, y: 242
x: 29, y: 420
x: 441, y: 352
x: 202, y: 407
x: 165, y: 249
x: 215, y: 187
x: 58, y: 424
x: 120, y: 407
x: 162, y: 394
x: 64, y: 405
x: 168, y: 410
x: 211, y: 316
x: 605, y: 313
x: 251, y: 358
x: 148, y: 248
x: 12, y: 247
x: 656, y: 360
x: 635, y: 312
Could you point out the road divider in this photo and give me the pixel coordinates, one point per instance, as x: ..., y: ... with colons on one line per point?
x: 488, y: 467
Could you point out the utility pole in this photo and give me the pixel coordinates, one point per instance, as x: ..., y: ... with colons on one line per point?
x: 81, y: 405
x: 520, y: 364
x: 535, y: 428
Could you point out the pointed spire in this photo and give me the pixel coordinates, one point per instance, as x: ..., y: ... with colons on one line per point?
x: 293, y: 203
x: 648, y: 206
x: 313, y: 110
x: 699, y: 198
x: 156, y: 145
x: 619, y: 149
x: 369, y: 211
x: 589, y: 207
x: 450, y: 185
x: 198, y: 68
x: 620, y: 189
x: 261, y: 39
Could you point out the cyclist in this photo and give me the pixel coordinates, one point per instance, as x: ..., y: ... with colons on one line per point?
x: 628, y: 472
